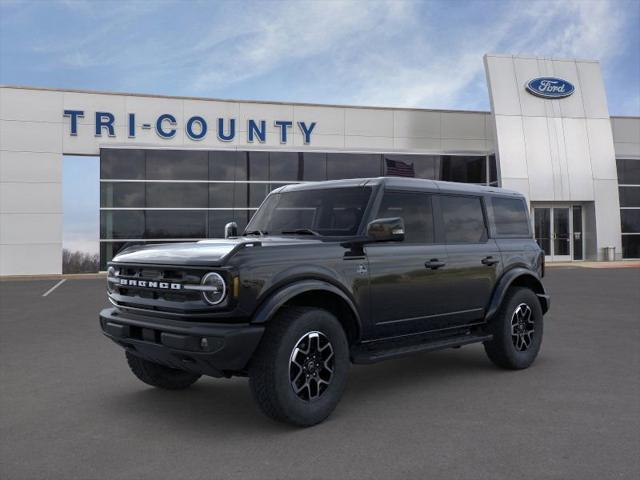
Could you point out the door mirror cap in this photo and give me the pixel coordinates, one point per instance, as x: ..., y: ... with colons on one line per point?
x: 231, y: 230
x: 386, y: 230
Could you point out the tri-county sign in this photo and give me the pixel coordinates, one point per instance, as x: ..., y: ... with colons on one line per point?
x: 550, y: 87
x: 196, y: 127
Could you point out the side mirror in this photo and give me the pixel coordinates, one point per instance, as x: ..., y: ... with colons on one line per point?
x: 386, y: 230
x: 231, y: 230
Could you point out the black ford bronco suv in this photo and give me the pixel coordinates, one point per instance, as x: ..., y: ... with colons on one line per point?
x: 327, y: 274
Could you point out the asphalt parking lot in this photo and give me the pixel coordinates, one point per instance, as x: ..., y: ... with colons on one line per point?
x: 70, y: 409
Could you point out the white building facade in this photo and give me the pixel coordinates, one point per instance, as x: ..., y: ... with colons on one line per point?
x: 175, y: 168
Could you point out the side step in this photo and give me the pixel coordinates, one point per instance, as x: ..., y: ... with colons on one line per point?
x: 384, y: 350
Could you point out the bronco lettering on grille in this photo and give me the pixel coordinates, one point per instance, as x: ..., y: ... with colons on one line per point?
x: 149, y: 284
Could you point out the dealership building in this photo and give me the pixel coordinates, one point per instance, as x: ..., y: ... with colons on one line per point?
x: 178, y: 168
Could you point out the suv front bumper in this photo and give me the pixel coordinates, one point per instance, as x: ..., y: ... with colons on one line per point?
x: 212, y: 349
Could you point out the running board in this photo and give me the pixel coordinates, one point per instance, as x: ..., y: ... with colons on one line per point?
x: 370, y: 354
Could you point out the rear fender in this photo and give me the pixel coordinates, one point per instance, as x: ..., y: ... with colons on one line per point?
x: 517, y: 277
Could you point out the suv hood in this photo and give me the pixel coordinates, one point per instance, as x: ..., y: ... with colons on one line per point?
x: 205, y: 252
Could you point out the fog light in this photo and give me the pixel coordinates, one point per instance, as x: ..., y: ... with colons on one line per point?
x: 215, y: 288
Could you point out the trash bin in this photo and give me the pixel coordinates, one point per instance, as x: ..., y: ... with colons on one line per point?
x: 609, y: 253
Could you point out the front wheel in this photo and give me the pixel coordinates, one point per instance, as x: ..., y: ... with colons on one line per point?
x: 299, y: 371
x: 517, y: 330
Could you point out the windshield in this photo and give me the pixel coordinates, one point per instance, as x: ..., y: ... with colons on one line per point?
x: 327, y: 212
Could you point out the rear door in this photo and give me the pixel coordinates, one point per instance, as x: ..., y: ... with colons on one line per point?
x: 406, y: 284
x: 474, y: 261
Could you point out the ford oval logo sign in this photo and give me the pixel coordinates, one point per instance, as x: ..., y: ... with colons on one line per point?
x: 550, y: 87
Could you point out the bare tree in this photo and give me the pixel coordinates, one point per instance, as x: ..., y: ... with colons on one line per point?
x: 79, y: 262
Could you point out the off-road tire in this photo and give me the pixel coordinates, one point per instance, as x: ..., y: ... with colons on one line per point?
x: 501, y: 350
x: 160, y: 376
x: 269, y: 371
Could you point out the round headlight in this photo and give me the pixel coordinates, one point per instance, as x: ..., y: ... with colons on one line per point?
x: 215, y: 288
x: 111, y: 272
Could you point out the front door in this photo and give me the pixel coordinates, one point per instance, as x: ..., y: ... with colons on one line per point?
x: 558, y: 231
x: 408, y: 291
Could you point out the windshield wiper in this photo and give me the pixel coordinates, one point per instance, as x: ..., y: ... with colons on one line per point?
x: 255, y: 232
x: 301, y: 231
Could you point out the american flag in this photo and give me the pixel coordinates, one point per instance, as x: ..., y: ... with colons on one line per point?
x: 397, y: 168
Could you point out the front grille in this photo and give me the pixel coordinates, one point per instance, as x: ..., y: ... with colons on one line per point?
x: 156, y: 292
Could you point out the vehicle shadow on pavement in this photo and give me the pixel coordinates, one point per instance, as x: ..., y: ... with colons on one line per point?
x: 229, y: 406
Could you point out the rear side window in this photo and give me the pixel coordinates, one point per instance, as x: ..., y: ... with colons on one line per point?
x: 415, y: 211
x: 463, y: 219
x: 510, y: 217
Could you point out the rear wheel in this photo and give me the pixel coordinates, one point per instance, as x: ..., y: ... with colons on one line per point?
x: 160, y: 376
x: 517, y: 330
x: 299, y: 371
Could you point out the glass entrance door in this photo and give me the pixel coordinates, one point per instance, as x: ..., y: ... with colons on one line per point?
x: 561, y: 234
x: 558, y: 231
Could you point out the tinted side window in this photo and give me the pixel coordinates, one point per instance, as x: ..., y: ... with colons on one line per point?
x: 463, y: 219
x: 415, y: 210
x: 510, y: 217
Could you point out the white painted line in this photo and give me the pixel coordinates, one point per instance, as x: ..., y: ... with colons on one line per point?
x: 54, y: 287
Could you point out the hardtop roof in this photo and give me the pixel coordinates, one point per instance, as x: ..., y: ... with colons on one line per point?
x: 402, y: 183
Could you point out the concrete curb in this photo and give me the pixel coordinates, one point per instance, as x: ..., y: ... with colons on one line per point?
x: 68, y: 276
x: 616, y: 264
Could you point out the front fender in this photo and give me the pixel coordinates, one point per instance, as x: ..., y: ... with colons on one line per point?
x: 270, y: 306
x: 519, y: 276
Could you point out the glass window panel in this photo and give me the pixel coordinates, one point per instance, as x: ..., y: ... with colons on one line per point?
x: 561, y: 237
x: 240, y: 195
x: 493, y: 170
x: 353, y: 165
x: 257, y: 193
x: 176, y: 224
x: 177, y: 195
x: 125, y: 164
x: 463, y: 219
x: 631, y: 246
x: 314, y: 167
x: 417, y: 166
x: 628, y: 171
x: 128, y: 195
x: 177, y: 165
x: 463, y: 169
x: 284, y: 166
x: 577, y: 232
x: 629, y: 196
x: 510, y: 217
x: 542, y: 219
x: 227, y: 165
x: 221, y: 195
x: 258, y: 165
x: 415, y: 211
x: 630, y: 221
x: 121, y: 224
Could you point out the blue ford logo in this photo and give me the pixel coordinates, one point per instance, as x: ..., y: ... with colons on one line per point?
x: 550, y: 87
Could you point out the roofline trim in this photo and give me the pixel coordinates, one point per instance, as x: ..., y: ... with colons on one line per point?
x: 229, y: 100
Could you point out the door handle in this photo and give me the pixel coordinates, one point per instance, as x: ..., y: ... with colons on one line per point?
x: 434, y: 264
x: 489, y: 261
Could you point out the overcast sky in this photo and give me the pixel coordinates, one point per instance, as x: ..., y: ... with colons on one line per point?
x: 391, y: 53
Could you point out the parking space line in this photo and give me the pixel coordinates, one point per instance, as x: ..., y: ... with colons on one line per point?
x: 54, y: 287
